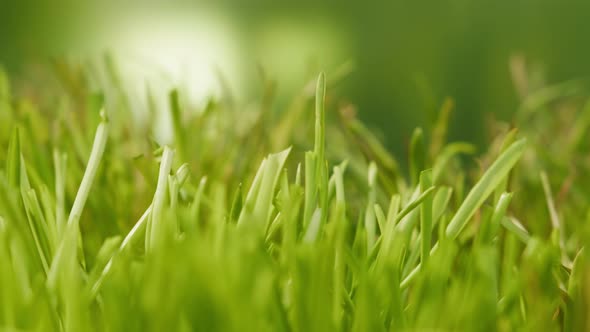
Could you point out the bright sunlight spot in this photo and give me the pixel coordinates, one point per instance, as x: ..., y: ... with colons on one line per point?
x: 186, y: 53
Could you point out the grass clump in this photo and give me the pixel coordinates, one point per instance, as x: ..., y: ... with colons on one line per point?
x: 115, y: 232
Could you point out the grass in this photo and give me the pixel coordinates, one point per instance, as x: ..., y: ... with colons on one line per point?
x: 116, y: 232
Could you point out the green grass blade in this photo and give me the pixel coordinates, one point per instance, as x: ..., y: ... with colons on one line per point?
x: 440, y: 203
x: 178, y: 128
x: 13, y: 159
x: 417, y: 155
x: 156, y: 234
x: 485, y: 186
x: 263, y: 206
x: 500, y: 211
x: 98, y: 147
x: 320, y: 118
x: 426, y: 216
x: 412, y: 205
x: 370, y: 220
x: 517, y: 228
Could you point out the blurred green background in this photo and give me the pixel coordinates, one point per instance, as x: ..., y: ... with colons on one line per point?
x: 408, y: 55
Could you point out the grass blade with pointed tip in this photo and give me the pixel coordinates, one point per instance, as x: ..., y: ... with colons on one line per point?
x: 440, y: 203
x: 370, y: 221
x: 485, y: 186
x: 100, y: 142
x: 417, y: 155
x: 178, y: 128
x: 499, y: 213
x: 320, y: 117
x: 155, y: 229
x: 517, y: 228
x: 263, y: 205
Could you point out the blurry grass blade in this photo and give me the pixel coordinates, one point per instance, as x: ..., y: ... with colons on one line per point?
x: 484, y: 187
x: 298, y: 175
x: 439, y: 132
x: 103, y: 260
x: 440, y: 203
x: 98, y: 147
x: 182, y: 174
x: 195, y: 207
x: 373, y: 149
x: 156, y: 233
x: 426, y: 215
x: 417, y: 155
x: 517, y: 228
x: 236, y: 205
x: 381, y: 218
x: 508, y: 140
x: 96, y: 154
x: 45, y: 206
x: 36, y: 231
x: 370, y: 221
x: 387, y: 236
x: 321, y: 167
x: 574, y: 282
x: 13, y: 159
x: 339, y: 184
x: 137, y: 230
x: 60, y: 165
x: 446, y: 155
x: 134, y: 235
x: 574, y: 316
x: 581, y: 128
x: 498, y: 215
x: 320, y: 117
x: 177, y: 126
x: 263, y: 206
x: 411, y: 206
x: 555, y: 220
x: 310, y: 187
x: 252, y: 193
x: 394, y: 205
x: 538, y: 99
x: 313, y: 230
x: 258, y: 206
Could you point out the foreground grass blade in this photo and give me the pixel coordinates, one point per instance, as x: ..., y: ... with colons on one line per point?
x: 133, y: 236
x: 320, y: 117
x: 370, y: 221
x: 498, y: 215
x: 485, y: 186
x: 425, y: 216
x: 516, y: 227
x: 65, y: 256
x: 263, y: 206
x: 156, y: 232
x: 100, y: 142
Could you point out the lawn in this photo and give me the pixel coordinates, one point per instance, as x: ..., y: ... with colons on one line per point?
x: 292, y: 221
